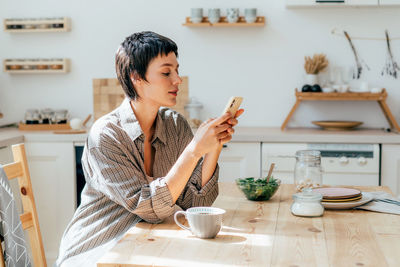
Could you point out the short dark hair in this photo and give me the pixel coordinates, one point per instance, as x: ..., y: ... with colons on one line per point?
x: 134, y: 55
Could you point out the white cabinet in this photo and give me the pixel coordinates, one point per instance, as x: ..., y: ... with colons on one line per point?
x: 327, y: 3
x: 52, y: 169
x: 239, y: 160
x: 389, y: 2
x: 390, y: 167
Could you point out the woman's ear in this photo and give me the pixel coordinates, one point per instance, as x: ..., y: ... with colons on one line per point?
x: 136, y: 80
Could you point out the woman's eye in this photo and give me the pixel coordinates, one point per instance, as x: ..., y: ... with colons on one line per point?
x: 166, y: 73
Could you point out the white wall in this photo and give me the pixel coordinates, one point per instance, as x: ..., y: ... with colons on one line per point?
x: 262, y: 64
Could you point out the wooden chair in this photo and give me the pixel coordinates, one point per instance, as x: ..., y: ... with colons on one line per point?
x: 29, y: 219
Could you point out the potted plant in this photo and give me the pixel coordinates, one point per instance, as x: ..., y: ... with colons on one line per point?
x: 313, y: 66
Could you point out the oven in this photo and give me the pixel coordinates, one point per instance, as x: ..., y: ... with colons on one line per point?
x: 343, y: 164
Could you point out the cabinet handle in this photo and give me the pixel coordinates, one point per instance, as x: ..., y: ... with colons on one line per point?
x: 2, y: 147
x: 224, y: 146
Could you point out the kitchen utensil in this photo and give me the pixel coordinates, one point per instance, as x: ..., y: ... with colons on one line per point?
x: 337, y: 192
x: 337, y: 125
x: 307, y: 170
x: 271, y: 168
x: 86, y: 120
x: 258, y: 189
x: 347, y: 205
x: 204, y: 222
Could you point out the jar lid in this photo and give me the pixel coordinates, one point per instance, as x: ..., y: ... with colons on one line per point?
x: 194, y: 103
x: 307, y: 196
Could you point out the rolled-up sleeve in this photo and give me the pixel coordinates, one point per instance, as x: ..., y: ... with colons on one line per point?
x: 118, y: 178
x: 194, y: 194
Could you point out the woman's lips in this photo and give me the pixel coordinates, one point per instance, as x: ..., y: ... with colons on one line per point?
x: 174, y: 93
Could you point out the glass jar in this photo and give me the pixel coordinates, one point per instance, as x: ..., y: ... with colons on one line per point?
x: 307, y: 204
x: 32, y: 116
x: 61, y: 116
x: 307, y: 171
x: 47, y: 115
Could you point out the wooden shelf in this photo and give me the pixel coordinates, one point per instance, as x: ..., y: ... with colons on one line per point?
x: 36, y: 66
x: 62, y: 24
x: 380, y: 97
x: 43, y: 127
x: 260, y: 22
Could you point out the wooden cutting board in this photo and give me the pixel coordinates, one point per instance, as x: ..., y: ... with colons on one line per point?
x: 108, y: 95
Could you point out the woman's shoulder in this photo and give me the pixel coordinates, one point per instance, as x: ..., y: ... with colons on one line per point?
x: 172, y: 117
x: 106, y: 127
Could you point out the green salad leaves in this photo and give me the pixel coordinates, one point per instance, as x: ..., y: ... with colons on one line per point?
x: 258, y: 189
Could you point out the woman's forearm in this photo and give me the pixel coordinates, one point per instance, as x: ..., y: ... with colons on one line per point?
x: 177, y: 178
x: 209, y: 164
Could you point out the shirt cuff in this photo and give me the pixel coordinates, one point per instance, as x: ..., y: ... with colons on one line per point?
x: 196, y: 182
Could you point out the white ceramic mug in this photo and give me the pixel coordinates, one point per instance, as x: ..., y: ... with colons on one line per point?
x: 214, y: 15
x: 250, y: 14
x: 196, y: 15
x: 232, y: 14
x: 204, y: 222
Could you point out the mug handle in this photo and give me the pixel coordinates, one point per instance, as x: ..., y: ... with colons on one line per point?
x: 176, y: 219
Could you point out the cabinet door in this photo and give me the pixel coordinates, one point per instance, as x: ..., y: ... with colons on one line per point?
x: 389, y: 2
x: 52, y: 169
x: 239, y: 160
x: 390, y: 167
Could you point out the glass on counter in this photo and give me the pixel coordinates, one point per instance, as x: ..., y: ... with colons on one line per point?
x: 32, y: 116
x: 307, y: 204
x: 61, y: 116
x: 308, y: 170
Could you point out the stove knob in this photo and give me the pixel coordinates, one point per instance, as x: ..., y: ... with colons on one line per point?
x: 343, y: 160
x: 362, y: 161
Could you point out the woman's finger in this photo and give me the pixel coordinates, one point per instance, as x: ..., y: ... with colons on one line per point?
x: 223, y: 135
x: 225, y: 140
x: 222, y: 127
x: 238, y: 113
x: 221, y: 118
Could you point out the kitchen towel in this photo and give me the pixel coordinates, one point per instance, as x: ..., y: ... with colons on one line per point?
x: 382, y: 202
x: 14, y: 245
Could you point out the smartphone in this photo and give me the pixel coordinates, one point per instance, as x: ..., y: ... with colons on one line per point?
x: 233, y: 105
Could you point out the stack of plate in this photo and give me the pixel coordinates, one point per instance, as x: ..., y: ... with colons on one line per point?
x: 341, y: 197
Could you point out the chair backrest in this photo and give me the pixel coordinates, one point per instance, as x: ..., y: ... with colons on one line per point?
x: 29, y: 219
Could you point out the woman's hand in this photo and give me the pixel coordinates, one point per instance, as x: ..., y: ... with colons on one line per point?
x: 209, y: 135
x: 213, y: 133
x: 227, y: 136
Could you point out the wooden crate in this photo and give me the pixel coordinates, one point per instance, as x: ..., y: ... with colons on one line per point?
x: 108, y: 95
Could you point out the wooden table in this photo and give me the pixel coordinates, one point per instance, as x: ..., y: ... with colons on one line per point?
x: 266, y: 234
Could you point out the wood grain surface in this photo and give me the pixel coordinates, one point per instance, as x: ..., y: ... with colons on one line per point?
x: 266, y: 234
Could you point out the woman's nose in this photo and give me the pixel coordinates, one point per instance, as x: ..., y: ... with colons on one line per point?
x: 178, y: 80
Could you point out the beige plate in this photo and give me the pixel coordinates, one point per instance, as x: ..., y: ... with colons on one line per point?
x: 347, y: 205
x: 337, y: 125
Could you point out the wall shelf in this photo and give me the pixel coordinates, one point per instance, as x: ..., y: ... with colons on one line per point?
x: 331, y: 3
x: 36, y: 66
x: 62, y: 24
x: 260, y: 22
x: 379, y: 97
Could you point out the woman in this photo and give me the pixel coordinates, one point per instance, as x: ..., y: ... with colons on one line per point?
x: 142, y: 159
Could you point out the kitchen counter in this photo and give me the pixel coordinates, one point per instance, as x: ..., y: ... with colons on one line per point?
x: 314, y: 135
x: 265, y: 233
x: 242, y: 134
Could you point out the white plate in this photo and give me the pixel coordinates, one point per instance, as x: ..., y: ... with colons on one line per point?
x: 348, y: 205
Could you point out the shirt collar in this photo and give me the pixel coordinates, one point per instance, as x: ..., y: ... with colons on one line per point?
x: 131, y: 125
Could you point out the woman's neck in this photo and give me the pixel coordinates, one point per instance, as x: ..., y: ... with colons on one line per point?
x: 146, y: 115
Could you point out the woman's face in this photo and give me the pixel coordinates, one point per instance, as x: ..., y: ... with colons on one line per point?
x: 162, y: 76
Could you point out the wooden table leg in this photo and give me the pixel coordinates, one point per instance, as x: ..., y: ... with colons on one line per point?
x: 290, y: 114
x: 389, y: 116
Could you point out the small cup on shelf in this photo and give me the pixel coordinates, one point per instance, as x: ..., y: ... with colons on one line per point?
x: 196, y: 15
x: 250, y: 15
x: 214, y: 15
x: 232, y: 15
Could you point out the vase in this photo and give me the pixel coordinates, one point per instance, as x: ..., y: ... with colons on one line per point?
x: 312, y: 79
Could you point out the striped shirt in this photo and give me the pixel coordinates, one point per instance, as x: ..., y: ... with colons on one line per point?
x: 118, y: 193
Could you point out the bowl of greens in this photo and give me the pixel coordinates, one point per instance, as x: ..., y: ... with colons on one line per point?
x: 258, y: 189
